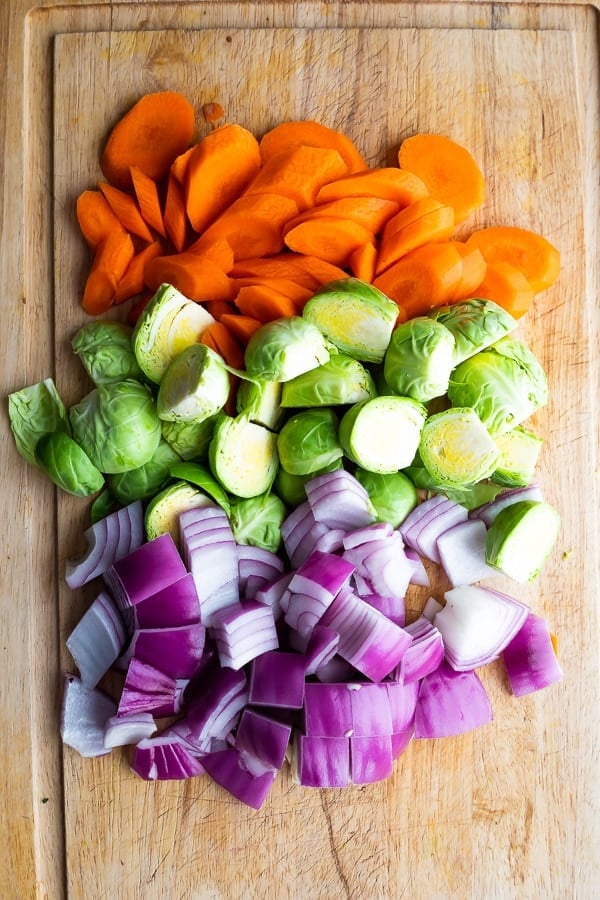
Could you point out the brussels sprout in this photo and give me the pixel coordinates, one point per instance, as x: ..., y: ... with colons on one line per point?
x: 419, y: 359
x: 117, y: 425
x: 475, y: 324
x: 392, y: 494
x: 521, y: 537
x: 308, y: 442
x: 257, y: 521
x: 456, y: 447
x: 163, y: 511
x: 106, y: 351
x: 243, y: 456
x: 469, y: 495
x: 67, y: 465
x: 291, y: 487
x: 355, y: 316
x: 168, y: 324
x: 261, y: 402
x: 202, y: 478
x: 190, y: 440
x: 145, y: 481
x: 194, y: 387
x: 340, y: 381
x: 519, y: 452
x: 503, y: 384
x: 382, y: 434
x: 283, y: 349
x: 34, y: 411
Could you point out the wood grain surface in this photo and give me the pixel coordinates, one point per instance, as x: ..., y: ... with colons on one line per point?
x: 507, y: 811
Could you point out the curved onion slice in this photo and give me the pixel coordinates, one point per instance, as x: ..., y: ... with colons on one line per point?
x: 476, y: 624
x: 242, y: 632
x: 461, y: 552
x: 163, y: 758
x: 424, y: 654
x: 176, y: 650
x: 144, y: 571
x: 97, y: 640
x: 257, y: 568
x: 450, y: 703
x: 129, y: 729
x: 84, y: 714
x: 107, y: 540
x: 148, y: 690
x: 261, y: 741
x: 313, y: 588
x: 530, y: 660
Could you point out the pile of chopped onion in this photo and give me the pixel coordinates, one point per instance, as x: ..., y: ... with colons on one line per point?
x: 234, y: 659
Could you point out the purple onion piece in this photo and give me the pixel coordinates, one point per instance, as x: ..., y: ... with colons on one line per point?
x: 272, y: 593
x: 321, y: 762
x: 277, y: 679
x: 450, y: 703
x: 262, y: 741
x: 443, y: 517
x: 257, y: 568
x: 242, y: 632
x: 129, y: 729
x: 371, y: 758
x: 84, y: 714
x: 424, y: 654
x: 164, y: 758
x: 419, y: 575
x: 175, y: 604
x: 530, y: 660
x: 409, y: 528
x: 97, y: 640
x: 215, y: 705
x: 148, y: 569
x: 176, y: 651
x: 147, y: 690
x: 461, y: 551
x: 392, y: 608
x: 320, y: 648
x: 106, y: 541
x: 403, y: 702
x: 227, y: 769
x: 400, y: 741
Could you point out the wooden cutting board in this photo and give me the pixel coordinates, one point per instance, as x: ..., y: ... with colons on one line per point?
x: 510, y: 810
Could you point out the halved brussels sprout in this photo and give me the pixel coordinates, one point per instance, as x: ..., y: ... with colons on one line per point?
x: 392, y: 494
x: 145, y: 481
x: 382, y: 434
x: 257, y: 521
x: 419, y: 359
x: 519, y: 453
x: 190, y: 440
x: 284, y: 348
x: 243, y: 456
x: 475, y: 325
x: 456, y: 448
x: 521, y: 537
x: 194, y: 387
x: 340, y: 381
x: 261, y: 402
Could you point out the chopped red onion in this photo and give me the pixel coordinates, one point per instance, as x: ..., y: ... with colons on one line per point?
x: 419, y: 576
x: 175, y: 604
x: 431, y: 608
x: 371, y: 758
x: 262, y: 741
x: 331, y: 541
x: 530, y: 660
x: 214, y: 707
x: 477, y: 623
x: 242, y: 632
x: 327, y: 710
x: 338, y: 500
x: 370, y: 709
x: 257, y: 568
x: 164, y: 758
x: 410, y: 527
x: 336, y: 670
x: 277, y: 679
x: 487, y: 512
x: 97, y: 640
x: 359, y: 536
x: 382, y: 565
x: 444, y: 516
x: 320, y: 648
x: 403, y: 701
x: 84, y: 714
x: 147, y: 689
x: 400, y: 741
x: 300, y: 533
x: 424, y: 654
x: 210, y: 553
x: 321, y: 762
x: 271, y: 594
x: 392, y: 608
x: 461, y: 551
x: 450, y: 703
x: 313, y: 588
x: 227, y: 769
x: 129, y: 729
x: 146, y: 570
x: 107, y: 540
x: 176, y: 650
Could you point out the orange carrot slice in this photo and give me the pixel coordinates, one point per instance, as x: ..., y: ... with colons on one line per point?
x: 113, y: 256
x: 127, y: 211
x: 221, y: 166
x: 197, y: 277
x: 448, y: 170
x: 175, y: 218
x: 363, y: 261
x: 265, y: 304
x: 423, y: 222
x: 149, y: 136
x: 311, y: 134
x: 252, y: 225
x: 423, y: 279
x: 146, y: 192
x: 473, y: 270
x: 308, y: 271
x: 298, y: 173
x: 508, y: 287
x: 242, y: 327
x: 330, y: 239
x: 219, y: 338
x: 218, y: 308
x: 180, y: 165
x: 96, y: 218
x: 388, y: 183
x: 133, y: 282
x: 370, y: 212
x: 287, y: 286
x: 532, y: 254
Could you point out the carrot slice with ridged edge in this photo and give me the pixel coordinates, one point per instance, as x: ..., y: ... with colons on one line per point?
x: 423, y: 279
x: 423, y: 222
x: 305, y: 132
x: 149, y: 136
x: 508, y: 287
x: 219, y: 169
x: 298, y: 173
x: 387, y: 183
x: 447, y: 169
x: 330, y: 239
x: 532, y: 254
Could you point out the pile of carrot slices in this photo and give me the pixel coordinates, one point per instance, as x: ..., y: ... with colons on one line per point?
x: 253, y: 227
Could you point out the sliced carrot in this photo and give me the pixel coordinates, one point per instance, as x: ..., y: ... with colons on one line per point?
x: 363, y: 261
x: 508, y: 287
x: 218, y: 250
x: 370, y: 212
x: 387, y: 183
x: 127, y: 211
x: 175, y: 218
x: 180, y: 165
x: 299, y: 293
x: 242, y: 327
x: 252, y: 225
x: 330, y: 239
x: 423, y: 222
x: 133, y: 282
x: 197, y: 277
x: 423, y: 279
x: 310, y: 134
x: 532, y: 254
x: 320, y: 269
x: 308, y: 271
x: 447, y: 169
x: 473, y: 270
x: 298, y: 173
x: 113, y: 256
x: 221, y: 166
x: 146, y: 192
x: 218, y: 336
x: 218, y: 308
x: 265, y: 304
x: 149, y: 136
x: 95, y: 216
